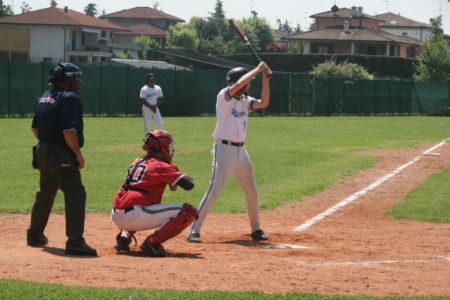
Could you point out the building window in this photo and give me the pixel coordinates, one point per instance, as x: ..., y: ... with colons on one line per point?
x: 83, y: 39
x: 371, y: 50
x: 110, y: 35
x: 103, y: 33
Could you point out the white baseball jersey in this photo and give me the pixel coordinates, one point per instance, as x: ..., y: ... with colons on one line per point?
x: 232, y: 116
x: 151, y: 94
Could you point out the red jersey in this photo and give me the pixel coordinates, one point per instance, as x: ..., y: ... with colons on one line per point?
x: 150, y: 177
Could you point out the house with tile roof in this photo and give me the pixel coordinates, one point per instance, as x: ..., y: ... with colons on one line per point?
x: 351, y: 31
x: 141, y: 21
x: 58, y: 34
x: 399, y: 25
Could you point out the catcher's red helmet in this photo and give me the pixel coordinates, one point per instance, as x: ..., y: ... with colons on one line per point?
x: 159, y: 143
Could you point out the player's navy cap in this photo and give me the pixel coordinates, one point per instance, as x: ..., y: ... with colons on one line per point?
x: 151, y: 76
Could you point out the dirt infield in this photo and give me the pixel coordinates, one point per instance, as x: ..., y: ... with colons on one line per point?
x: 355, y: 251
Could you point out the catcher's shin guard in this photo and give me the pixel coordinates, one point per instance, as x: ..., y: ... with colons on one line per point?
x: 174, y: 226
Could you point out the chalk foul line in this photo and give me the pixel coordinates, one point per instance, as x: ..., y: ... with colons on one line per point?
x: 439, y: 258
x: 360, y: 193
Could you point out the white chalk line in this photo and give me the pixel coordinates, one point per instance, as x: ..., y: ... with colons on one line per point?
x: 358, y: 194
x: 439, y: 258
x: 282, y: 246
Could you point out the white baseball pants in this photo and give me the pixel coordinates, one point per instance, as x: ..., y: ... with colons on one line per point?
x: 227, y: 160
x: 149, y: 117
x: 144, y: 217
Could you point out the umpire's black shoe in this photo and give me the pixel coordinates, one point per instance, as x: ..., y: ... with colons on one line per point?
x: 258, y: 235
x: 81, y: 250
x: 194, y: 237
x: 37, y: 241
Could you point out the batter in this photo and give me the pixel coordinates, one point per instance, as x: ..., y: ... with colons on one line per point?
x: 229, y: 154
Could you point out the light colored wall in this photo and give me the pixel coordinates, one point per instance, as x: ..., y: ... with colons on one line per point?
x: 45, y: 41
x: 417, y: 33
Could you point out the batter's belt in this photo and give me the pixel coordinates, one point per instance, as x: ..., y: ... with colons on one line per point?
x: 226, y: 142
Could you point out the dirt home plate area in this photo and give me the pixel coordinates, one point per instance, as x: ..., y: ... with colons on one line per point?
x: 354, y: 251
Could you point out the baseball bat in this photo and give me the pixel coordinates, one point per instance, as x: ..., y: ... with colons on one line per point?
x: 244, y: 38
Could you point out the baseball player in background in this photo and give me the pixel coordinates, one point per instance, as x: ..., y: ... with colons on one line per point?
x: 229, y: 154
x: 151, y: 96
x: 137, y: 205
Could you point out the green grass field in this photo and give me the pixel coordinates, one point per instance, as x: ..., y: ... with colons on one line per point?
x: 292, y: 157
x: 428, y: 202
x: 15, y: 289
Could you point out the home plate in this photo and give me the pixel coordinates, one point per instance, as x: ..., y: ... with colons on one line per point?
x: 282, y: 246
x: 432, y: 154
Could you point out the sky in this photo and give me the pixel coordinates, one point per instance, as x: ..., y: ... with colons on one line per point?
x: 294, y: 11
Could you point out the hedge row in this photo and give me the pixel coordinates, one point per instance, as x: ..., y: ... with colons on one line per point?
x: 381, y: 66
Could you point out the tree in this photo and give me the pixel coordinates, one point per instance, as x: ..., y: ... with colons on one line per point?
x: 297, y: 29
x: 146, y: 46
x: 25, y: 7
x: 259, y: 32
x: 5, y: 10
x: 216, y: 20
x: 91, y: 9
x: 182, y: 36
x: 434, y: 62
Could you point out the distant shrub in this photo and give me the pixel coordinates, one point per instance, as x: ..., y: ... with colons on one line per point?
x: 275, y: 48
x: 332, y: 69
x: 123, y: 56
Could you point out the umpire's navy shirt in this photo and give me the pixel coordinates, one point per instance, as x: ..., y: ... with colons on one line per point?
x: 58, y: 110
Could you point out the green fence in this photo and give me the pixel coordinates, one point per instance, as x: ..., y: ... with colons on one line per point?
x: 113, y: 89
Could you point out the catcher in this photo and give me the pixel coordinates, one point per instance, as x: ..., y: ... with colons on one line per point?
x: 137, y: 205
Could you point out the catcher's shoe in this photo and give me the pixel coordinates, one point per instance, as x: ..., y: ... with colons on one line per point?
x: 122, y: 244
x: 155, y: 250
x: 37, y: 241
x: 194, y: 237
x: 258, y: 235
x: 123, y: 241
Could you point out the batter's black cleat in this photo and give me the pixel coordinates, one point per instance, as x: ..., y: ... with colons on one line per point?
x: 81, y: 250
x: 258, y: 235
x: 194, y: 237
x: 33, y: 241
x: 155, y: 250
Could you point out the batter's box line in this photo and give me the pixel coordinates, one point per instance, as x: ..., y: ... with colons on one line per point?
x: 439, y: 258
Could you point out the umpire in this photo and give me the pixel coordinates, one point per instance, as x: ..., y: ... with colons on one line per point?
x: 58, y: 125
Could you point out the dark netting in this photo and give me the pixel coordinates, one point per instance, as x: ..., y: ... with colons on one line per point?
x: 431, y: 98
x: 301, y: 91
x: 113, y: 89
x: 4, y: 88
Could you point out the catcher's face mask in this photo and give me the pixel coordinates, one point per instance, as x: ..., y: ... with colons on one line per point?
x: 160, y: 143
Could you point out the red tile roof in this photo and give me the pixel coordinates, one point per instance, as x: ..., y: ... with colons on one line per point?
x: 353, y: 34
x: 144, y: 29
x: 142, y: 13
x: 395, y: 20
x: 57, y: 16
x: 344, y: 13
